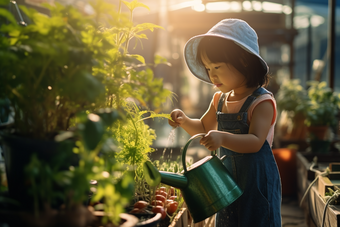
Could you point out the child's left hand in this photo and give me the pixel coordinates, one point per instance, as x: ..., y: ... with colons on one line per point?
x: 212, y: 140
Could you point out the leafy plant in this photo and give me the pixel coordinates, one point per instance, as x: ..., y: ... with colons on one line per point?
x: 47, y: 68
x: 134, y: 139
x: 114, y: 185
x: 60, y: 65
x: 69, y: 69
x: 128, y: 75
x: 323, y: 105
x: 293, y: 98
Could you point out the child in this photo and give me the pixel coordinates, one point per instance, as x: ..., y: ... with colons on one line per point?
x: 240, y: 119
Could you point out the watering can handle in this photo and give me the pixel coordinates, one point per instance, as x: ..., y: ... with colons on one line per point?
x: 186, y: 147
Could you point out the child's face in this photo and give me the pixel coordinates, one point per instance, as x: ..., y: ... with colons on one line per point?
x: 224, y: 76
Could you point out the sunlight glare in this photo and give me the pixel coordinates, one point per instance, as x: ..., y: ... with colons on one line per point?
x: 301, y: 22
x: 272, y: 7
x: 285, y: 155
x: 105, y: 174
x: 235, y: 6
x: 183, y: 5
x: 247, y: 6
x: 199, y: 7
x: 93, y: 117
x: 216, y: 7
x: 317, y: 64
x: 317, y: 20
x: 287, y: 9
x: 257, y: 6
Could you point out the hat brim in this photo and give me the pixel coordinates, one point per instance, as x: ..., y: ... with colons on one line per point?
x: 197, y: 69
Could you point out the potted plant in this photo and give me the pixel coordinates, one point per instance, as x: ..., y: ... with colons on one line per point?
x: 45, y: 82
x: 292, y: 100
x: 322, y: 111
x: 66, y: 64
x: 134, y: 139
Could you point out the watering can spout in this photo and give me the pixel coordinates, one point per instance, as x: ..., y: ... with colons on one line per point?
x: 173, y: 179
x: 154, y: 177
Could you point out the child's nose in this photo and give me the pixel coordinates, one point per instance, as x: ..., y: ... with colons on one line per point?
x: 212, y: 74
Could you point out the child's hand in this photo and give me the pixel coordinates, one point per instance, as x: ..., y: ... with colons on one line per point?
x: 178, y: 118
x: 212, y: 140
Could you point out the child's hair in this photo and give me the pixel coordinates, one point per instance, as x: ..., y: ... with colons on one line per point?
x: 224, y: 50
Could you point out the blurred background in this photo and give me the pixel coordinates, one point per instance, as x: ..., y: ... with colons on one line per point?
x: 294, y: 36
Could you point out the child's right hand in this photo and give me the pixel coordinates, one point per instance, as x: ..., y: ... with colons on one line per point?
x: 178, y: 118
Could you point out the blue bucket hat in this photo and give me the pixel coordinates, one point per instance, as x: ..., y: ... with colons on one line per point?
x: 236, y: 30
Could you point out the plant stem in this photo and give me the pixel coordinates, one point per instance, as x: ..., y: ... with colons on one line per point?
x: 42, y: 74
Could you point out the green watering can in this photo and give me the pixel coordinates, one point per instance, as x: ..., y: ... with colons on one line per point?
x: 206, y: 186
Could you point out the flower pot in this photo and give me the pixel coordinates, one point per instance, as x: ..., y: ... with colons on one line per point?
x: 318, y: 139
x: 77, y: 216
x: 148, y: 220
x: 17, y: 152
x: 286, y: 162
x: 317, y: 132
x: 126, y: 220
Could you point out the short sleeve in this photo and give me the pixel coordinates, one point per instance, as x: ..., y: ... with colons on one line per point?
x: 216, y: 98
x: 262, y: 98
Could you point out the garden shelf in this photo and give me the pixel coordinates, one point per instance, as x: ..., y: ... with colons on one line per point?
x: 314, y: 204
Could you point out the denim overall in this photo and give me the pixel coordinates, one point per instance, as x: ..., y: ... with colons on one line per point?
x: 255, y: 173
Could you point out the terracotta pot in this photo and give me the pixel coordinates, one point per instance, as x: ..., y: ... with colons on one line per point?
x: 286, y: 163
x: 317, y: 132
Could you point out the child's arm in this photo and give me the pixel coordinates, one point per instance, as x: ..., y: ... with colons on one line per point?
x: 195, y: 126
x: 244, y: 143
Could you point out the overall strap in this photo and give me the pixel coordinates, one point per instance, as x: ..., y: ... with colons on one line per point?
x: 258, y: 92
x: 220, y: 102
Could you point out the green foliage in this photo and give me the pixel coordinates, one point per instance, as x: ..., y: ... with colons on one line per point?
x: 46, y: 69
x: 69, y: 62
x: 319, y: 105
x: 114, y: 185
x: 134, y: 139
x: 293, y: 98
x: 323, y: 105
x: 72, y: 69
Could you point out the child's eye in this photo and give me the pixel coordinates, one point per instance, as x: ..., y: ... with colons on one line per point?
x: 207, y: 69
x: 217, y: 67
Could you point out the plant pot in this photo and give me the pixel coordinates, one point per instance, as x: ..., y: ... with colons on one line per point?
x: 17, y: 152
x: 317, y: 132
x: 77, y: 216
x: 148, y: 220
x: 127, y: 220
x: 286, y: 162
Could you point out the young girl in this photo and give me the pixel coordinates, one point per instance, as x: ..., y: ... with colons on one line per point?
x: 240, y: 119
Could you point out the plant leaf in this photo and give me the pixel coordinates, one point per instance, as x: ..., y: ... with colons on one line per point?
x: 138, y: 57
x: 134, y: 4
x: 7, y: 15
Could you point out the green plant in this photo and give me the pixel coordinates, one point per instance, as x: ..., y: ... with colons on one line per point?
x: 47, y: 68
x: 293, y: 98
x: 134, y: 139
x: 71, y: 186
x: 61, y: 65
x: 67, y: 67
x: 323, y: 105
